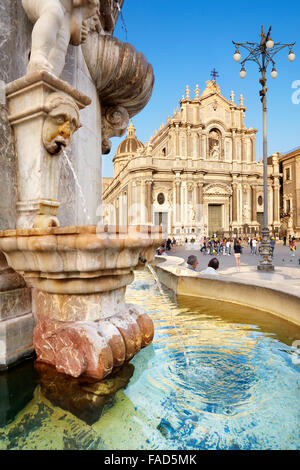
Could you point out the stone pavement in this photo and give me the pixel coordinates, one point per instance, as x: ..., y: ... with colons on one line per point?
x: 287, y: 267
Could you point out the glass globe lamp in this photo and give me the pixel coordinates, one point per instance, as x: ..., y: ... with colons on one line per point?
x: 274, y: 73
x: 237, y: 56
x: 291, y: 56
x: 243, y: 72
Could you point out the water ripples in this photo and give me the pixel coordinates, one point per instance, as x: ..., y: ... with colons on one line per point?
x: 239, y: 388
x: 240, y: 385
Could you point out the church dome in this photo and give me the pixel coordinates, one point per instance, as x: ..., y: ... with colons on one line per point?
x: 131, y: 144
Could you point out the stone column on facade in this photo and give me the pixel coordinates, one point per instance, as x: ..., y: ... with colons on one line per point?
x: 188, y: 143
x: 130, y: 200
x: 178, y: 201
x: 120, y: 204
x: 253, y: 149
x: 185, y: 205
x: 199, y: 211
x: 182, y: 205
x: 143, y: 203
x: 254, y: 203
x: 270, y: 204
x: 234, y: 203
x: 222, y: 155
x: 276, y: 215
x: 195, y: 151
x: 199, y: 145
x: 138, y: 204
x: 177, y: 140
x: 149, y: 184
x: 233, y: 146
x: 206, y: 147
x: 203, y: 145
x: 226, y: 215
x: 243, y: 153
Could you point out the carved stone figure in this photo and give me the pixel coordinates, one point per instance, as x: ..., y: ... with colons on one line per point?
x: 214, y: 145
x: 56, y: 24
x: 192, y: 213
x: 246, y: 211
x: 215, y: 152
x: 114, y: 123
x: 61, y: 123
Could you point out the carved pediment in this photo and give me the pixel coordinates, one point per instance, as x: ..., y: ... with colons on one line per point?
x: 217, y: 190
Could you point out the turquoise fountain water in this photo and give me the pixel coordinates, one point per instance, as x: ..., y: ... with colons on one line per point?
x: 240, y: 391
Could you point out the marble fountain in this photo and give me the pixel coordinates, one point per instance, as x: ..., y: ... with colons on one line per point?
x: 77, y: 274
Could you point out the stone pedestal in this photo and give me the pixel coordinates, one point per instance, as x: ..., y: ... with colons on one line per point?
x: 265, y: 263
x: 79, y: 276
x: 16, y: 320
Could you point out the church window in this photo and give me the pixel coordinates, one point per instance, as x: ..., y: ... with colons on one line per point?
x: 288, y: 206
x: 161, y: 198
x: 260, y: 200
x: 287, y: 174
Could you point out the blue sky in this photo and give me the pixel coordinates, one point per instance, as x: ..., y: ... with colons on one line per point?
x: 184, y: 41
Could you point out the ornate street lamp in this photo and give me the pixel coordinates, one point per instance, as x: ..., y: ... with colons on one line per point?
x: 263, y: 53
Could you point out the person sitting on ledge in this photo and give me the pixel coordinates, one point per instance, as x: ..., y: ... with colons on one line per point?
x: 212, y: 267
x: 161, y: 251
x: 192, y: 262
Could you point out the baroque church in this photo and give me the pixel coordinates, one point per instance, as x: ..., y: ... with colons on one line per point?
x: 197, y: 174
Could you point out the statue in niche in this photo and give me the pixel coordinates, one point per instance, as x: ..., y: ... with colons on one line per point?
x: 214, y: 145
x: 56, y: 24
x: 246, y: 211
x: 191, y: 214
x: 61, y: 122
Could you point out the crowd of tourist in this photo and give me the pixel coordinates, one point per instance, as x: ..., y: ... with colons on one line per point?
x: 214, y: 246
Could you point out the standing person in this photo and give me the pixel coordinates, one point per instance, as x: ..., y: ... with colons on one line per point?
x: 272, y: 245
x: 168, y: 244
x: 186, y: 243
x: 254, y: 244
x: 173, y: 244
x: 284, y: 240
x: 237, y: 253
x: 250, y: 244
x: 293, y: 247
x: 230, y: 246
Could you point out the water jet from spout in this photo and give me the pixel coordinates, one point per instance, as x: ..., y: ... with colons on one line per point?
x: 82, y: 198
x: 166, y: 300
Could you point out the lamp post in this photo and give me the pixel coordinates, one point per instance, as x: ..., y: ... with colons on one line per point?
x: 262, y: 54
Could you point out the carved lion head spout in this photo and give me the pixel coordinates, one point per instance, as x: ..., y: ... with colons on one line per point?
x: 61, y: 122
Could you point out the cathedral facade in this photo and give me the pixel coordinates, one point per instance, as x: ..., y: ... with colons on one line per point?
x: 197, y: 175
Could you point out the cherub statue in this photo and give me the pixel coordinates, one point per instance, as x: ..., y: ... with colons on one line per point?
x: 56, y: 24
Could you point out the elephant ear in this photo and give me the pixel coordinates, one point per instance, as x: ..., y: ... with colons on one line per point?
x: 121, y: 74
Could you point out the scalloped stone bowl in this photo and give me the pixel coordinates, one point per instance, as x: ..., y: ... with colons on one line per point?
x: 79, y: 277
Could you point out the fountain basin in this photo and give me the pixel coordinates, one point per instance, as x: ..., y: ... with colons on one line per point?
x: 79, y: 277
